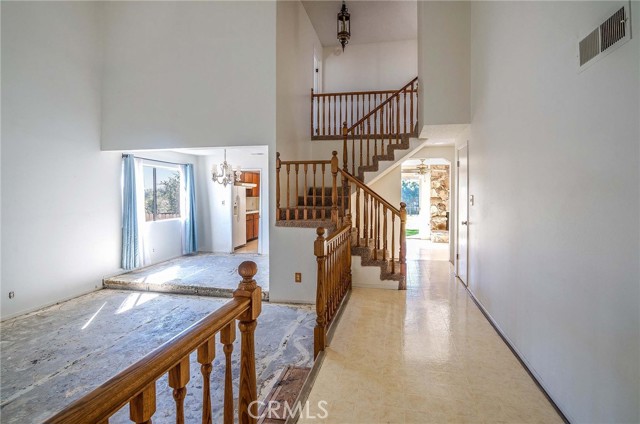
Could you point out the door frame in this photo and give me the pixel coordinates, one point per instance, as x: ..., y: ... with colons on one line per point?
x: 464, y: 203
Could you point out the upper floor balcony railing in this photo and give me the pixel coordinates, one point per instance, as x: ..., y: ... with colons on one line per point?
x: 329, y: 111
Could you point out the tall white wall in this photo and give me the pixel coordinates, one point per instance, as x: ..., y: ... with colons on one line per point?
x: 189, y: 74
x: 373, y: 66
x: 60, y: 194
x: 555, y: 170
x: 443, y: 62
x: 296, y: 43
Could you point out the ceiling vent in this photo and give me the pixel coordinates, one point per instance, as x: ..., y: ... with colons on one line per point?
x: 611, y: 34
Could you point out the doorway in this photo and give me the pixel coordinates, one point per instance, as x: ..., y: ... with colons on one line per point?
x: 425, y: 189
x: 246, y: 231
x: 462, y: 224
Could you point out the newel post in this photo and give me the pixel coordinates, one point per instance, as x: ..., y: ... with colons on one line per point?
x: 403, y: 244
x: 334, y: 187
x: 319, y: 332
x: 248, y: 395
x: 278, y: 165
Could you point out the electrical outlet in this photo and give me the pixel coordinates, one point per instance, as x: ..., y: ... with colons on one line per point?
x: 11, y: 295
x: 298, y: 277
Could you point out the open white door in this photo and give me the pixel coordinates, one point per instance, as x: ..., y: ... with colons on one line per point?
x: 462, y: 252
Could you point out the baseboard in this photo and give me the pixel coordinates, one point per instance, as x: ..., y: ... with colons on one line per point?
x: 515, y: 352
x: 30, y: 311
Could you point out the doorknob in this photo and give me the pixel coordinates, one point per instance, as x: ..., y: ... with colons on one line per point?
x: 465, y: 222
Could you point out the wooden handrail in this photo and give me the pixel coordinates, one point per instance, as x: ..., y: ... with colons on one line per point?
x: 354, y: 93
x: 136, y: 384
x: 370, y: 191
x: 333, y: 257
x: 381, y: 105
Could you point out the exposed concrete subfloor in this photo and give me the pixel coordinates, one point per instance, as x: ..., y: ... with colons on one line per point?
x: 204, y: 274
x: 54, y: 356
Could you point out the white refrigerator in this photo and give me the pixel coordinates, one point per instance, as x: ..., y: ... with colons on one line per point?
x: 239, y: 218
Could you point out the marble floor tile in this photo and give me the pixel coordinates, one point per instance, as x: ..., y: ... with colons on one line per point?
x: 53, y: 356
x: 425, y: 355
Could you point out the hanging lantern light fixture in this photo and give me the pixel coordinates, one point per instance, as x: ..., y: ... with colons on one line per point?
x: 423, y: 169
x: 226, y: 175
x: 344, y: 25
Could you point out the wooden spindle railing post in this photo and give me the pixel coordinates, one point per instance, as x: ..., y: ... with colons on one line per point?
x: 319, y: 332
x: 345, y: 132
x: 178, y: 378
x: 357, y: 216
x: 297, y: 192
x: 227, y: 337
x: 143, y: 406
x: 248, y: 392
x: 278, y: 165
x: 403, y: 244
x: 334, y: 187
x: 312, y: 98
x: 384, y: 233
x: 206, y: 355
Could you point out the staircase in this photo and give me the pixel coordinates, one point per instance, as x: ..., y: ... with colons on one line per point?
x: 320, y: 193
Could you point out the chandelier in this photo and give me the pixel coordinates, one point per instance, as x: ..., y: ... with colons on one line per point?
x: 423, y: 169
x: 344, y: 25
x: 226, y: 175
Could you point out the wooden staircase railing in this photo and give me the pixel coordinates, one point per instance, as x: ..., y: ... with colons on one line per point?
x: 136, y: 385
x: 333, y: 255
x: 375, y: 134
x: 329, y: 111
x: 374, y: 226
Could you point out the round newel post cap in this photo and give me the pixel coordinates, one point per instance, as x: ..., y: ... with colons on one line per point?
x: 320, y: 231
x: 247, y: 270
x: 403, y: 205
x: 334, y: 153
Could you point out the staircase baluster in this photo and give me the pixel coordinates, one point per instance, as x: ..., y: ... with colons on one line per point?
x: 375, y: 114
x: 227, y: 337
x: 335, y: 116
x: 322, y: 195
x: 314, y: 192
x: 384, y: 233
x: 372, y: 225
x: 334, y: 188
x: 143, y: 406
x: 403, y: 244
x: 411, y: 109
x: 324, y: 115
x: 368, y: 138
x: 178, y: 378
x: 393, y: 244
x: 304, y: 212
x: 357, y: 216
x: 406, y: 114
x: 317, y: 126
x: 361, y: 163
x: 311, y: 120
x: 288, y: 193
x: 376, y: 232
x: 278, y: 165
x: 206, y: 355
x: 366, y: 219
x: 397, y: 119
x: 296, y: 194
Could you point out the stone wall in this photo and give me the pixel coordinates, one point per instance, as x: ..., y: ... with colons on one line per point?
x: 440, y: 192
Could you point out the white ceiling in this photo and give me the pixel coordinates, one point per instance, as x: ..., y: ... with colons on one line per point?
x: 206, y: 151
x: 371, y: 21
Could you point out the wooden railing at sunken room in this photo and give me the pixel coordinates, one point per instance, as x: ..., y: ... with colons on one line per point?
x: 385, y: 125
x: 136, y: 385
x: 329, y: 111
x: 333, y: 256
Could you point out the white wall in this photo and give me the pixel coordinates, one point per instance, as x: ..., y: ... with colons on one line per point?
x: 443, y: 62
x: 189, y: 74
x: 554, y: 167
x: 373, y: 66
x: 296, y: 42
x: 60, y: 195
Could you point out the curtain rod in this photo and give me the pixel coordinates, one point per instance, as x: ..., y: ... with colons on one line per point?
x: 155, y: 160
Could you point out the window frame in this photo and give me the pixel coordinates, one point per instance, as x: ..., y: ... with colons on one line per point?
x: 154, y: 213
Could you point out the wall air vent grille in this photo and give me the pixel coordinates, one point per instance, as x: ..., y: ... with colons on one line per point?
x: 607, y: 37
x: 589, y: 47
x: 613, y: 29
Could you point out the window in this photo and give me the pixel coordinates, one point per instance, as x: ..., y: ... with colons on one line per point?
x: 161, y: 193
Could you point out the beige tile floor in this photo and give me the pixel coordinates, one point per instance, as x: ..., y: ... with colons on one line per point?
x: 425, y: 355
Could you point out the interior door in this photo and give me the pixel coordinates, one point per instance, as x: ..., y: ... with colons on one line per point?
x: 462, y: 254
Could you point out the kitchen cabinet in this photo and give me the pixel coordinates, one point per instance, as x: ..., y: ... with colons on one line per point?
x: 253, y: 226
x: 252, y: 177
